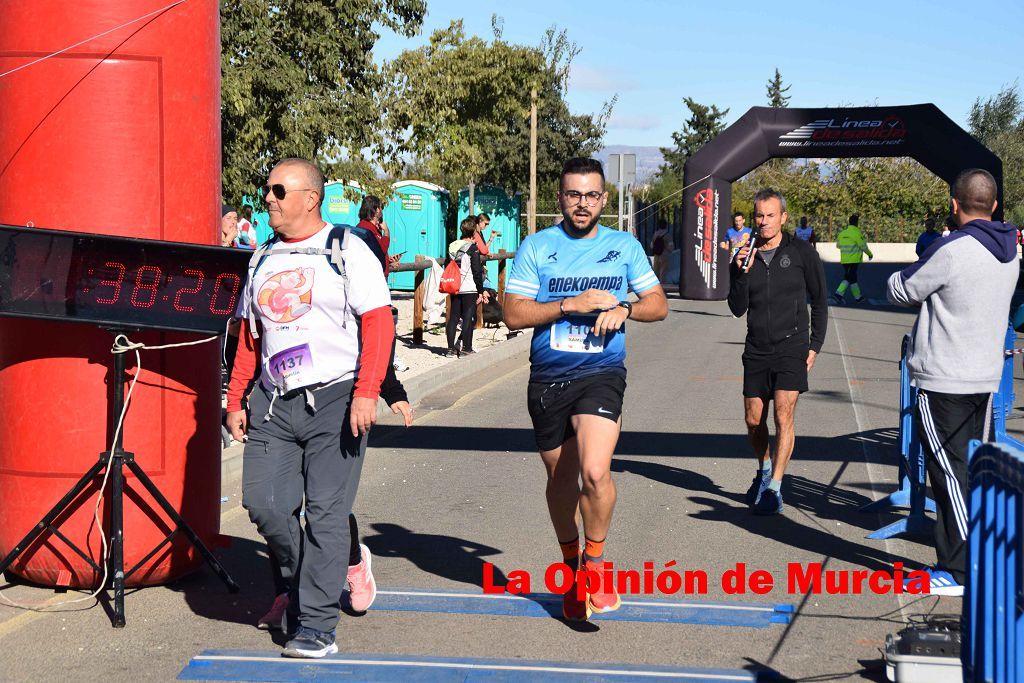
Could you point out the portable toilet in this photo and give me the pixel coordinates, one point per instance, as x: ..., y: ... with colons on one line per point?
x: 415, y: 216
x: 504, y: 213
x: 336, y: 207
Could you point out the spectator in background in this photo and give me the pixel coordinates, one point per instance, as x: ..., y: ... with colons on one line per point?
x: 949, y: 226
x: 246, y: 231
x: 228, y: 225
x: 806, y: 232
x: 371, y: 219
x: 661, y: 248
x: 737, y: 236
x: 482, y: 221
x: 929, y: 235
x: 471, y: 292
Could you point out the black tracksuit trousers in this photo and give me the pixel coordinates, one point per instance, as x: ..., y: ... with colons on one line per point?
x: 947, y: 423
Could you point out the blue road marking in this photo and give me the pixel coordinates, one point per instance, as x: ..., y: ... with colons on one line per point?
x: 547, y: 605
x: 240, y: 665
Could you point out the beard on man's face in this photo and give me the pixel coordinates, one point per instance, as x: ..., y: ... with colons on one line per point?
x: 579, y: 221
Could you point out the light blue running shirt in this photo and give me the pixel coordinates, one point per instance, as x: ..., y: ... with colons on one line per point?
x: 550, y: 265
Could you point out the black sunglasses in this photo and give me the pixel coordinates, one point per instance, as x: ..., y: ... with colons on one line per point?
x: 279, y: 190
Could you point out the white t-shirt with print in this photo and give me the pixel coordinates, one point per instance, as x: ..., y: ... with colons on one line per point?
x: 308, y: 321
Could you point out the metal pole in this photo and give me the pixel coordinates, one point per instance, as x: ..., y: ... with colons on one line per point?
x: 472, y: 199
x: 532, y: 208
x: 631, y: 213
x: 622, y: 172
x: 116, y: 560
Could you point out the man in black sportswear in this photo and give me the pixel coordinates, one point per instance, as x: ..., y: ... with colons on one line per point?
x: 772, y: 289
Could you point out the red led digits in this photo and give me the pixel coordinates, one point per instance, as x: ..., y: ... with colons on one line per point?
x: 218, y: 285
x: 200, y: 277
x: 150, y: 287
x: 115, y: 282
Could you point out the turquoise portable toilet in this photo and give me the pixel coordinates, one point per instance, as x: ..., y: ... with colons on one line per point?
x: 336, y: 207
x: 504, y: 213
x: 415, y: 215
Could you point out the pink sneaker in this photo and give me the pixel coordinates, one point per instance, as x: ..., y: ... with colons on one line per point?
x: 361, y: 586
x: 271, y: 621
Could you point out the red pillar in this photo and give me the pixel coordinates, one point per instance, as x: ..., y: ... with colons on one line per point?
x: 118, y: 135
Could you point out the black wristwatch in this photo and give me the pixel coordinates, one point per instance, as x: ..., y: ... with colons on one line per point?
x: 628, y: 306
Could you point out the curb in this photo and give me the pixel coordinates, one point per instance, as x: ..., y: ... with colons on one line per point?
x: 438, y: 378
x: 417, y: 387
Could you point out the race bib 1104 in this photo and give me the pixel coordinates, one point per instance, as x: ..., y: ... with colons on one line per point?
x: 574, y: 335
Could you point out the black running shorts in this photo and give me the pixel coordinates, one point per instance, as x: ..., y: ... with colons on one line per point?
x: 764, y: 374
x: 551, y: 404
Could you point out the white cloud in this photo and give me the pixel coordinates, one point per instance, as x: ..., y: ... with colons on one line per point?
x: 583, y: 77
x: 628, y: 122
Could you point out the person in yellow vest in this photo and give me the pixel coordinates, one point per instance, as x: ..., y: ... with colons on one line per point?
x: 852, y: 248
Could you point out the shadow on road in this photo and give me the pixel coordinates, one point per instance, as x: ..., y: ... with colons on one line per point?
x: 248, y: 564
x: 877, y: 446
x: 448, y: 557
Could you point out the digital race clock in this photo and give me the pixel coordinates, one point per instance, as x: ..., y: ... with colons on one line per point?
x: 119, y: 282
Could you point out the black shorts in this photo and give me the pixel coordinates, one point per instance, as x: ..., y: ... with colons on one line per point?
x: 764, y: 374
x: 552, y: 404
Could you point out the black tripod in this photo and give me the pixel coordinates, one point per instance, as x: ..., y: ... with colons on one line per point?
x: 117, y: 460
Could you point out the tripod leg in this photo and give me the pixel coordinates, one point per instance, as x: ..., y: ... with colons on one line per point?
x: 116, y: 562
x: 54, y: 512
x: 215, y: 565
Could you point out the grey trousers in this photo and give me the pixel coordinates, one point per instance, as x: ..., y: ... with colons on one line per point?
x: 307, y: 452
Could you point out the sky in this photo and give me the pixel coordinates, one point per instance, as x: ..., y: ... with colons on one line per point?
x: 833, y: 53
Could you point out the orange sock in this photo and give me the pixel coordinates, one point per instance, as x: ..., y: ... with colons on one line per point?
x: 571, y: 551
x: 593, y: 550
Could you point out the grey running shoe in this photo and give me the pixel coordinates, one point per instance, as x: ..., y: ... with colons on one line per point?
x: 310, y: 644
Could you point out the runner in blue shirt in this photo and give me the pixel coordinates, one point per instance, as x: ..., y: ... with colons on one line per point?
x: 570, y: 282
x: 806, y: 232
x: 737, y: 236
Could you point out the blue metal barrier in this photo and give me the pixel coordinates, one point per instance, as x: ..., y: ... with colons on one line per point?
x: 993, y: 607
x: 911, y: 491
x: 1002, y: 401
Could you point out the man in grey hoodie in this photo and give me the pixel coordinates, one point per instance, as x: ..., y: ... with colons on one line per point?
x: 963, y: 286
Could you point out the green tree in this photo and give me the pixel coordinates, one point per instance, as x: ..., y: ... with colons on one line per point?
x: 999, y: 125
x: 459, y: 106
x: 995, y: 116
x: 777, y: 97
x: 298, y: 79
x: 893, y: 196
x: 704, y: 124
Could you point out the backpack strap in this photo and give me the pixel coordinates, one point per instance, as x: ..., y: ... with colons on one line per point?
x: 337, y: 243
x: 370, y: 240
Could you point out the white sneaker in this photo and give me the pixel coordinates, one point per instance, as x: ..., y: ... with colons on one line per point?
x: 400, y: 365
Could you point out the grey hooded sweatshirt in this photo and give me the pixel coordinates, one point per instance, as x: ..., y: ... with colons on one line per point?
x: 963, y: 284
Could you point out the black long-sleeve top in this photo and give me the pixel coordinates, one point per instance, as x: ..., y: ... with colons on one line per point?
x: 774, y: 298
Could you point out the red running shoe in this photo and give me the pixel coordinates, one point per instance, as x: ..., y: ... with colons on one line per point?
x: 573, y: 608
x: 605, y: 599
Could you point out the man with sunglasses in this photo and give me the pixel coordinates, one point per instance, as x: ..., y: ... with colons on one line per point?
x: 322, y: 336
x: 570, y: 283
